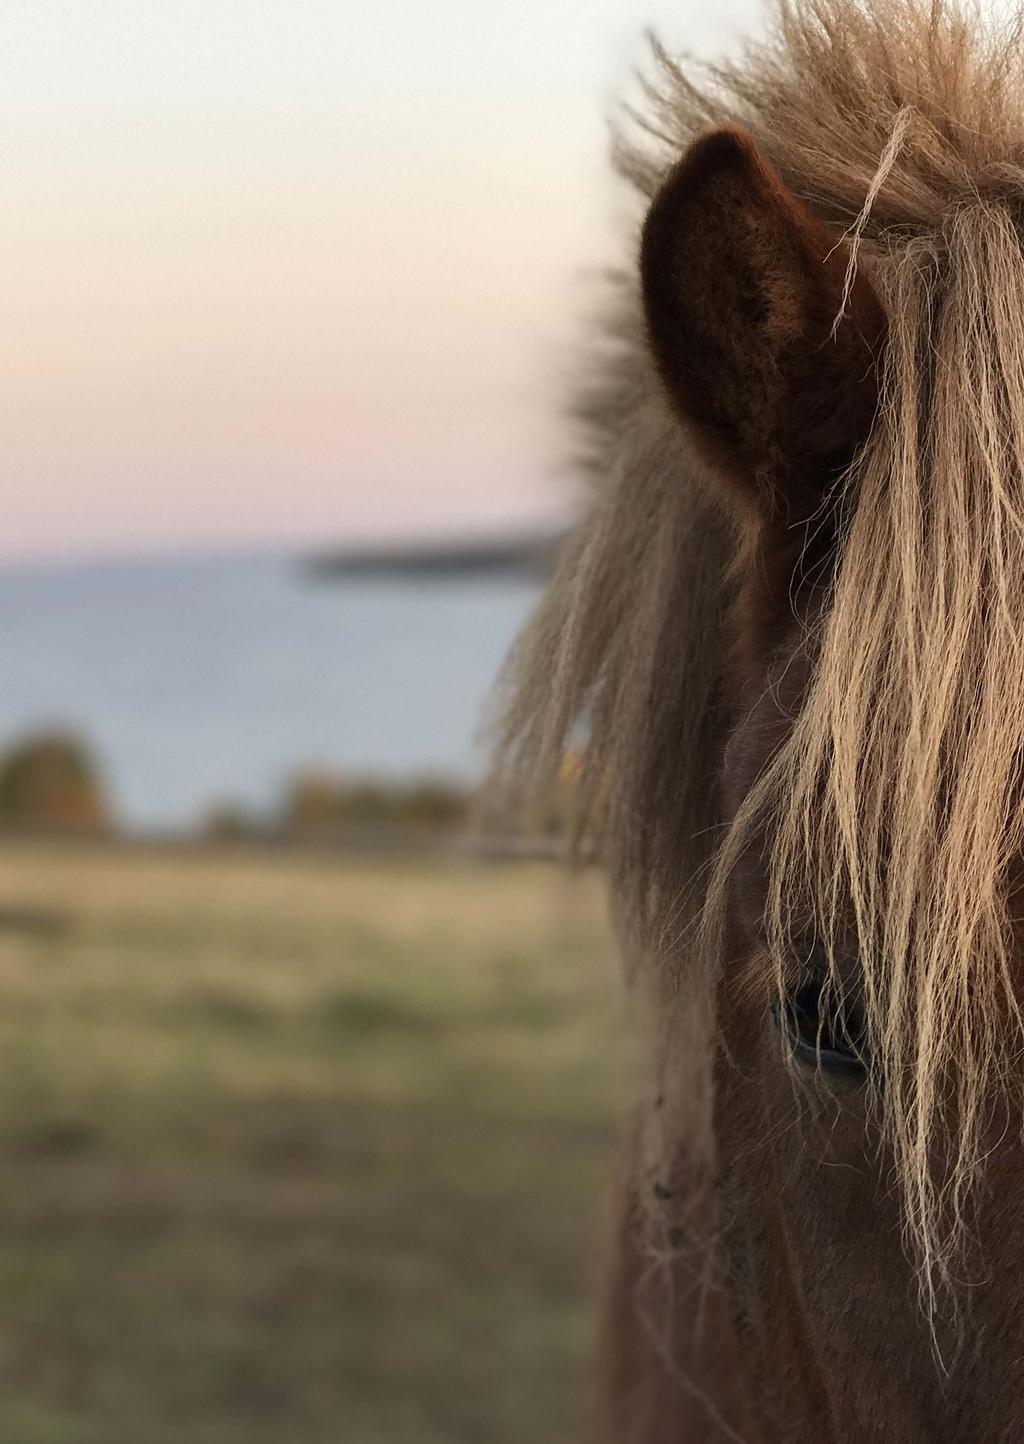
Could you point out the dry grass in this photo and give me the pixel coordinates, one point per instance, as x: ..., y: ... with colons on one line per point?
x: 305, y: 1151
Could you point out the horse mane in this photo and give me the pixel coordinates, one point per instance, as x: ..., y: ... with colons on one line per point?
x: 899, y: 790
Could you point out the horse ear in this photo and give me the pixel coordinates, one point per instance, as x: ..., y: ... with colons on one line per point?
x: 742, y: 289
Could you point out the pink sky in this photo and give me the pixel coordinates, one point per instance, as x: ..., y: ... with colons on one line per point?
x: 295, y: 270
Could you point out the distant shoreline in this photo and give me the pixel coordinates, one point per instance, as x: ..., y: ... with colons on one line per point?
x: 532, y: 556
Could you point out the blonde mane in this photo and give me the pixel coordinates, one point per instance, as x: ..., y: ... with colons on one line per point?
x: 897, y: 798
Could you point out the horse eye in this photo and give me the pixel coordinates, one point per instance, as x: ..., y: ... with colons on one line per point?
x: 824, y: 1030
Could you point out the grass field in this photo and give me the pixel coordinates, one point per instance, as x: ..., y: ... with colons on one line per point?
x: 299, y: 1151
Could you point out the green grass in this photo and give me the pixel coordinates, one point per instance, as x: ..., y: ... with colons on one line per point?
x: 299, y: 1151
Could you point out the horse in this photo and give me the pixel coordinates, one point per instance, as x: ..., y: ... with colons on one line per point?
x: 790, y: 626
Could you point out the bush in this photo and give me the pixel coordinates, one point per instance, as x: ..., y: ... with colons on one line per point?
x: 319, y: 802
x: 51, y: 783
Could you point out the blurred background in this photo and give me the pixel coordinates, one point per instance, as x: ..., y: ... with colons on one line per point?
x: 307, y: 1100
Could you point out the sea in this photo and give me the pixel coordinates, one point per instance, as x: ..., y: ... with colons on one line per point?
x: 212, y: 680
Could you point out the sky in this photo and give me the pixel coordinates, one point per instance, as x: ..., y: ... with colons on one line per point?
x: 302, y: 272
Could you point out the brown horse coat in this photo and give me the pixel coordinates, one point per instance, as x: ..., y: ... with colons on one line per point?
x: 793, y: 621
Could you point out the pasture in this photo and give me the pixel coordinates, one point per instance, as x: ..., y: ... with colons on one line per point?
x: 299, y: 1149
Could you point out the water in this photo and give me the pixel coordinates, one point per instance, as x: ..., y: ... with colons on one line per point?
x: 211, y: 680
